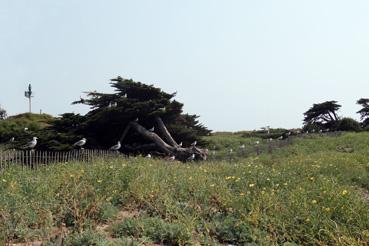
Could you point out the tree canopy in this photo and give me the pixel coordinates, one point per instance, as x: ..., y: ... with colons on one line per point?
x: 130, y: 104
x: 322, y: 115
x: 364, y: 111
x: 3, y: 113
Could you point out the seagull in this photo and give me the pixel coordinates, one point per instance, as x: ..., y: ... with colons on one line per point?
x: 125, y: 95
x: 148, y: 156
x: 152, y: 129
x: 257, y: 142
x: 162, y: 109
x: 172, y: 158
x: 116, y: 147
x: 180, y: 144
x: 136, y: 119
x: 31, y: 144
x: 26, y: 129
x: 320, y: 131
x: 12, y: 139
x: 280, y: 138
x: 80, y: 143
x: 270, y: 139
x: 191, y: 158
x: 242, y: 146
x: 194, y: 143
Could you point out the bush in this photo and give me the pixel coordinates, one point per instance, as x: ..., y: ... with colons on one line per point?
x: 348, y: 124
x: 156, y: 229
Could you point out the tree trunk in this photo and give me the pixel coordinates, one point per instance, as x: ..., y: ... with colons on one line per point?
x: 172, y: 149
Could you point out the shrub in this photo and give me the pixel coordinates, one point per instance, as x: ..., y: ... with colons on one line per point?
x: 348, y: 124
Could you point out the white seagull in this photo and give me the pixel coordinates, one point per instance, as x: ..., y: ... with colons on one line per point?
x: 191, y: 158
x: 194, y: 143
x: 26, y: 129
x: 148, y: 156
x: 136, y: 119
x: 172, y: 158
x: 12, y: 139
x: 80, y: 143
x: 32, y: 144
x: 125, y: 95
x: 116, y: 147
x: 242, y: 146
x: 180, y: 144
x: 152, y: 129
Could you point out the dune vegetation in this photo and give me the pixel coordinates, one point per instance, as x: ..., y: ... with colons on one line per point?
x: 311, y: 192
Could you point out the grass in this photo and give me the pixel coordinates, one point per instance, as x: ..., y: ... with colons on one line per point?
x: 307, y: 193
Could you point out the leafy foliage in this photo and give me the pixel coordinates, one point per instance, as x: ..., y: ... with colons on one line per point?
x: 111, y: 112
x: 364, y: 111
x: 323, y: 115
x: 3, y: 113
x: 348, y: 124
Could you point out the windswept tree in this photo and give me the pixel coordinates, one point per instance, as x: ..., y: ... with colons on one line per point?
x: 144, y: 118
x: 322, y: 115
x: 3, y: 113
x: 364, y: 111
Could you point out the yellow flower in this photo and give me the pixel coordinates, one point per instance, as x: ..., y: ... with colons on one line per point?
x: 262, y: 192
x: 99, y: 181
x: 312, y: 178
x: 212, y: 185
x: 327, y: 209
x: 285, y: 184
x: 238, y: 179
x: 307, y: 220
x: 111, y: 167
x: 228, y: 178
x: 190, y: 178
x: 251, y: 185
x: 314, y: 202
x: 344, y: 192
x: 4, y: 180
x: 242, y: 194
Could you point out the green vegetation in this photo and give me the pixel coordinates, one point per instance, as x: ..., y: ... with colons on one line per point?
x: 311, y: 192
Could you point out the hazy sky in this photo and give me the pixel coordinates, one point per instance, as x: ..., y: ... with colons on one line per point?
x: 239, y: 64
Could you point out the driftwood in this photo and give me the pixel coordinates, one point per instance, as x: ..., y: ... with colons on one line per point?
x: 168, y: 147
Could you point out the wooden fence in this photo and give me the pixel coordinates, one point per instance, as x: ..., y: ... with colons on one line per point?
x: 35, y: 159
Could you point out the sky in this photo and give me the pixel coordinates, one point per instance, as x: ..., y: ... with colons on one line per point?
x: 239, y: 64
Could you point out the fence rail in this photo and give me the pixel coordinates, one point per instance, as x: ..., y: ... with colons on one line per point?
x: 35, y: 159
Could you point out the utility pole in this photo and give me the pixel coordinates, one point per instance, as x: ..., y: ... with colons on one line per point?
x: 29, y: 94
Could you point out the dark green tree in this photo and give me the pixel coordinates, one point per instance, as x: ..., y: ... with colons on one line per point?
x: 144, y: 118
x: 364, y: 111
x: 3, y: 113
x: 322, y: 115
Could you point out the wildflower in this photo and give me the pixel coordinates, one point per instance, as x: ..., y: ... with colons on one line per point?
x: 344, y: 192
x: 268, y: 179
x: 4, y: 180
x: 285, y: 184
x: 312, y: 178
x: 111, y: 167
x: 242, y: 194
x: 212, y: 185
x: 262, y: 192
x: 72, y: 175
x: 190, y: 178
x: 327, y: 209
x: 307, y: 220
x: 314, y: 201
x: 251, y: 185
x: 238, y: 179
x: 228, y: 178
x: 99, y: 181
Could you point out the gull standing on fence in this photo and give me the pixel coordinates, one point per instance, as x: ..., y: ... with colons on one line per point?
x: 32, y: 144
x: 80, y: 143
x: 180, y: 144
x: 194, y: 144
x: 152, y: 129
x: 116, y: 147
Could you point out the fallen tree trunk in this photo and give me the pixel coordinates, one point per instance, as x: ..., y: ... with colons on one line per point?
x: 171, y: 149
